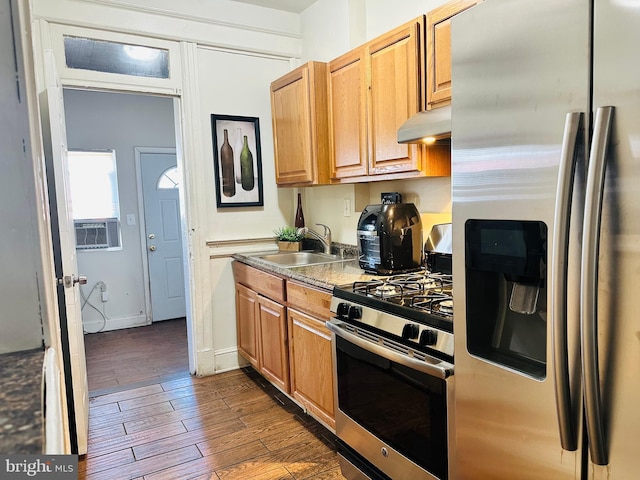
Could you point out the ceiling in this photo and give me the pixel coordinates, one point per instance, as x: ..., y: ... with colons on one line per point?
x: 294, y: 6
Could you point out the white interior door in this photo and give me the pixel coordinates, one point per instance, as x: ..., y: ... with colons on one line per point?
x: 66, y: 266
x: 163, y: 235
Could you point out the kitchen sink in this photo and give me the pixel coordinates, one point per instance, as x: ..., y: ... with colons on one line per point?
x: 298, y: 259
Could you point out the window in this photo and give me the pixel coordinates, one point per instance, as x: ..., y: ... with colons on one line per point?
x: 112, y: 57
x: 93, y: 183
x: 169, y: 179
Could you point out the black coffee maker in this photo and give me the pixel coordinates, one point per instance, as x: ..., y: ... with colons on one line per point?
x: 390, y: 238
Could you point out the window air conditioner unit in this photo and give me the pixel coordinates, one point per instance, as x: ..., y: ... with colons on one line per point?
x: 95, y: 234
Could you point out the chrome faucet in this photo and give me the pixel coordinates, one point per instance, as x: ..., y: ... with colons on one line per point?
x: 325, y: 238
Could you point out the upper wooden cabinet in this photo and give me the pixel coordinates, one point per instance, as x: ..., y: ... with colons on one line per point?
x: 300, y: 131
x: 348, y: 89
x: 439, y: 51
x: 372, y: 91
x: 395, y: 83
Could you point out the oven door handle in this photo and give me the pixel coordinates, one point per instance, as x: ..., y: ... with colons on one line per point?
x: 438, y: 368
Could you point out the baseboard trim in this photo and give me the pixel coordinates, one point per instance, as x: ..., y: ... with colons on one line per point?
x: 118, y: 323
x: 212, y: 362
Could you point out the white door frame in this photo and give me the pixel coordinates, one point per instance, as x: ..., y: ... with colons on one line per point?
x: 183, y: 89
x: 138, y: 151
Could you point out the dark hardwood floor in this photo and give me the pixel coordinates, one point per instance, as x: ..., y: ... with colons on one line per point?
x: 233, y: 425
x: 136, y: 355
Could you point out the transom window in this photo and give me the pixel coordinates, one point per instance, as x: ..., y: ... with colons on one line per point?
x: 113, y: 57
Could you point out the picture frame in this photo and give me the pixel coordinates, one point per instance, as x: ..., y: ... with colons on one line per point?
x: 237, y: 161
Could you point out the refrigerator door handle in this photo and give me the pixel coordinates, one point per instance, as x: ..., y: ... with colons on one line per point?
x: 589, y: 285
x: 560, y: 253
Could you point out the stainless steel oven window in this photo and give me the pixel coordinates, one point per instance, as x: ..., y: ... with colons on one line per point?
x: 404, y: 408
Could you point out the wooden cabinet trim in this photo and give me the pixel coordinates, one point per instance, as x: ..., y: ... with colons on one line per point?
x: 316, y: 330
x: 309, y: 300
x: 265, y: 283
x: 438, y: 43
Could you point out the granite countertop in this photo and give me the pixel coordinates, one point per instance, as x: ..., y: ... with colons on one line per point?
x: 21, y: 425
x: 324, y: 276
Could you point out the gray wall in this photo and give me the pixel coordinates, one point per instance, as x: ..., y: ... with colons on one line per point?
x: 20, y: 321
x: 119, y: 121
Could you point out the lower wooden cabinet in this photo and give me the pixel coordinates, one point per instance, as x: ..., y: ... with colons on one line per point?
x: 311, y: 365
x: 274, y: 351
x: 247, y: 324
x: 287, y: 341
x: 261, y: 323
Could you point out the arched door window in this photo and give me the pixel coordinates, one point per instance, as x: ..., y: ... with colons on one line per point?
x: 169, y: 179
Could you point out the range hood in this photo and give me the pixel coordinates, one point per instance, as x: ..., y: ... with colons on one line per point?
x: 430, y: 124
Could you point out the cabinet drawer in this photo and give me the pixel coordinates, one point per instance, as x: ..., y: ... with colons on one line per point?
x: 269, y: 285
x: 309, y: 300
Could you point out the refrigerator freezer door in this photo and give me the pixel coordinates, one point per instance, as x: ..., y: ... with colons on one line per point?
x: 616, y: 83
x: 518, y: 68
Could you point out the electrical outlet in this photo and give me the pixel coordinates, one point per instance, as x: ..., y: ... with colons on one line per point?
x: 347, y: 207
x: 104, y: 296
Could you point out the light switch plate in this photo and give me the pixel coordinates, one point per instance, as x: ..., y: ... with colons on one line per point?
x: 347, y: 207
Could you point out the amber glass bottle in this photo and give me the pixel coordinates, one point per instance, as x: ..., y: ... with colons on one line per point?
x: 299, y: 222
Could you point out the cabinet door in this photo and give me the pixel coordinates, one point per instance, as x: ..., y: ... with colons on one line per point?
x: 439, y: 51
x: 247, y: 324
x: 347, y: 115
x: 300, y: 135
x: 274, y: 364
x: 311, y: 365
x: 394, y: 96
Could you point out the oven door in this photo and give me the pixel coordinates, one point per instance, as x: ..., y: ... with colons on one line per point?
x: 391, y: 408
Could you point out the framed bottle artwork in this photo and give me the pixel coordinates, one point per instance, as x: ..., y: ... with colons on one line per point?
x: 237, y: 161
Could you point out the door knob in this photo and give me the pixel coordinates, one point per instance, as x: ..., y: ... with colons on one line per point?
x: 70, y: 280
x: 152, y: 236
x: 152, y: 248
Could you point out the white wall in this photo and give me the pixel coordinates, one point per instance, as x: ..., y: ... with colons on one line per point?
x: 219, y: 23
x: 101, y: 120
x: 20, y: 320
x: 237, y: 84
x: 383, y: 15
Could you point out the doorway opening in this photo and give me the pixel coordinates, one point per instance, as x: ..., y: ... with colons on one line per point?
x: 125, y: 285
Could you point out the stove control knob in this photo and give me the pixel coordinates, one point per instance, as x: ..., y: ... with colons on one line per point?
x: 428, y: 337
x: 355, y: 312
x: 343, y: 309
x: 410, y: 331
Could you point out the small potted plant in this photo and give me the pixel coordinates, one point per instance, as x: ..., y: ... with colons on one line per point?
x: 289, y: 239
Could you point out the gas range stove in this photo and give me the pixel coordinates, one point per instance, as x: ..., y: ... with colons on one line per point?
x: 413, y: 309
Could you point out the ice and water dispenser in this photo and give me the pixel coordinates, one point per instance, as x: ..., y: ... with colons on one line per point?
x: 506, y: 293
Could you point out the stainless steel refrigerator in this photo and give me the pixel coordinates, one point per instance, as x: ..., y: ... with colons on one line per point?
x: 546, y: 228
